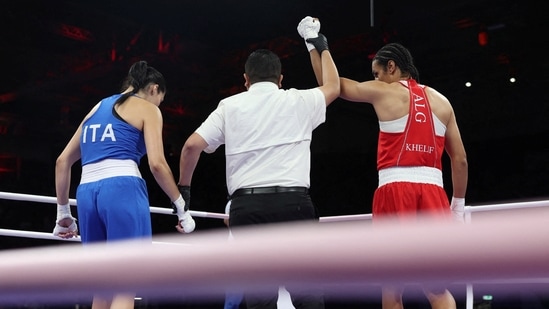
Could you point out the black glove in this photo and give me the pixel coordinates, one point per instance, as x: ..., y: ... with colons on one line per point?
x: 186, y: 195
x: 320, y: 43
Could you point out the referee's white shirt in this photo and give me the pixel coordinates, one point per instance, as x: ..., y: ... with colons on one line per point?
x: 267, y: 135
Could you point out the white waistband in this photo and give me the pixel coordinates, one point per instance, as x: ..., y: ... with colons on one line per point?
x: 416, y: 174
x: 109, y: 168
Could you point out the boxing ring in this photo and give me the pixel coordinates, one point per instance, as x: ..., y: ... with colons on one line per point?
x: 501, y: 247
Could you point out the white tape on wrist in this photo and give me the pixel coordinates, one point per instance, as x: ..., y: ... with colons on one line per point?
x: 309, y: 46
x: 63, y: 211
x: 458, y: 208
x: 180, y: 206
x: 457, y: 203
x: 186, y: 221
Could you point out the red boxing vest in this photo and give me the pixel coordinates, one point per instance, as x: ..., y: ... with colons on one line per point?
x: 418, y: 145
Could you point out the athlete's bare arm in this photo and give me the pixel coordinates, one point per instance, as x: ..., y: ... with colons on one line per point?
x: 456, y: 151
x: 152, y: 130
x: 444, y: 111
x: 326, y: 74
x: 390, y: 100
x: 66, y: 159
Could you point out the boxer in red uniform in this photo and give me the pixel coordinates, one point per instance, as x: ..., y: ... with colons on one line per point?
x: 409, y: 161
x: 417, y: 124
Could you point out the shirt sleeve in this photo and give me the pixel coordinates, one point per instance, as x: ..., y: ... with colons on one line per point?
x: 212, y: 129
x: 315, y: 102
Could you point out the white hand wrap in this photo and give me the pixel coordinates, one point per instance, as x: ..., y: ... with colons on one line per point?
x: 308, y: 28
x: 64, y: 212
x: 185, y: 220
x: 458, y: 209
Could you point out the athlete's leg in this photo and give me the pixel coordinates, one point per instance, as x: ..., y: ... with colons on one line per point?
x: 100, y: 302
x: 440, y: 299
x: 123, y: 301
x: 123, y: 206
x: 391, y: 297
x: 118, y: 301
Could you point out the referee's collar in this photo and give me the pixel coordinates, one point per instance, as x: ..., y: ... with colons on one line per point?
x: 263, y: 86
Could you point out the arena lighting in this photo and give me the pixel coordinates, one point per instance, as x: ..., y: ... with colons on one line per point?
x: 483, y: 32
x: 73, y: 32
x: 163, y: 47
x: 8, y: 97
x: 483, y: 38
x: 113, y: 52
x: 9, y: 163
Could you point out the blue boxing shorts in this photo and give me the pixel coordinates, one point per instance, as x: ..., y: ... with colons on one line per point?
x: 114, y: 208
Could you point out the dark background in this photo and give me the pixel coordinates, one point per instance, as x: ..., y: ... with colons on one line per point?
x: 59, y: 58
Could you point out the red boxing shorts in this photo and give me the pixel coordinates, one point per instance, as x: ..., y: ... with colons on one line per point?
x: 408, y: 200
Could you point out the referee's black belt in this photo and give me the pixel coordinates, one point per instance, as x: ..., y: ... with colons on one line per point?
x: 268, y: 190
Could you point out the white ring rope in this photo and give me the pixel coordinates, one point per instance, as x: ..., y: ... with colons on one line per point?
x: 30, y: 234
x: 346, y: 257
x: 52, y: 200
x: 507, y: 247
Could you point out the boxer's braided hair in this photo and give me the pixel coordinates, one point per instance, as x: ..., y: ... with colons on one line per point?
x: 401, y: 56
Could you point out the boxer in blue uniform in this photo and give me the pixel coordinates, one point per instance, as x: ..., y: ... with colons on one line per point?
x: 112, y: 196
x: 111, y: 189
